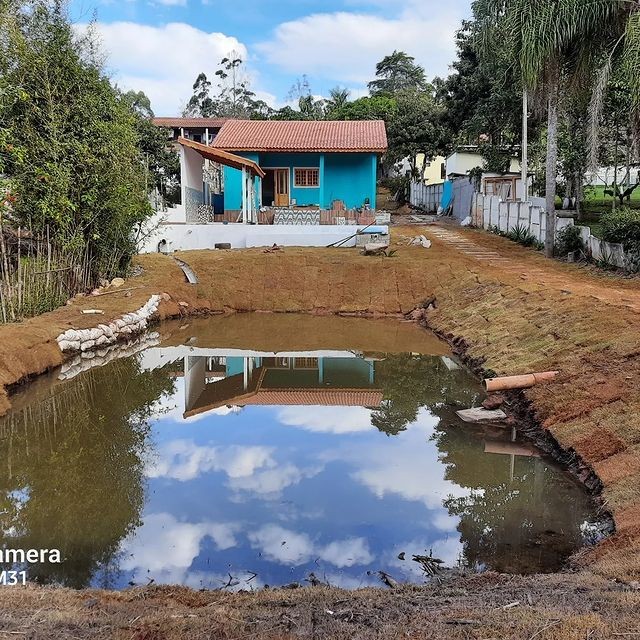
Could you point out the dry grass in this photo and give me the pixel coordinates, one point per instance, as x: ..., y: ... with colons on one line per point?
x: 556, y: 607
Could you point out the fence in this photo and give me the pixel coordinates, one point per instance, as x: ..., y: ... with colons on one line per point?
x: 35, y: 276
x: 426, y: 196
x: 490, y: 212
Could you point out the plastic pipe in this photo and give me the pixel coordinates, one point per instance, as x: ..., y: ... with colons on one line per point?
x: 518, y: 382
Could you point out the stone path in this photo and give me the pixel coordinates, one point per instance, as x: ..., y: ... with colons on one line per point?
x: 532, y: 268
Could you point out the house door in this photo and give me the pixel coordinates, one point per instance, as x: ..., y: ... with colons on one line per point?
x: 281, y: 183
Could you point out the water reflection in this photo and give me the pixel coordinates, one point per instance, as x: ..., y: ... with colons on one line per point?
x: 72, y: 468
x: 229, y: 467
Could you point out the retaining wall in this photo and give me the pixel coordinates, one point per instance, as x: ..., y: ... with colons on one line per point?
x: 184, y: 237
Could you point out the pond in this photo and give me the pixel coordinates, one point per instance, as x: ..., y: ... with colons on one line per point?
x: 249, y: 450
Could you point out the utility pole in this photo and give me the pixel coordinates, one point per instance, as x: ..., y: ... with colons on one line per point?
x: 525, y: 146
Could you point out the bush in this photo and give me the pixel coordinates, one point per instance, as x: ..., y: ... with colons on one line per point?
x: 569, y: 240
x: 398, y: 187
x: 623, y: 227
x: 522, y: 235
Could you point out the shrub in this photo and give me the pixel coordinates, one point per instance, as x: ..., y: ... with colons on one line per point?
x: 522, y: 235
x: 623, y: 227
x: 398, y: 187
x: 569, y: 240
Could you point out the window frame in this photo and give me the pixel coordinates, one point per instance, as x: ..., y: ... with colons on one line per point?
x: 305, y: 186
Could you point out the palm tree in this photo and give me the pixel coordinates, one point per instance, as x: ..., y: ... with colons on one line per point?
x: 338, y: 98
x: 555, y: 44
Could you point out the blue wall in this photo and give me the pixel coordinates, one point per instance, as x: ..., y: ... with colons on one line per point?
x: 350, y: 177
x: 302, y: 195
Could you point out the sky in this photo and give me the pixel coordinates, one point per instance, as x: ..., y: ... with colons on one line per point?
x: 160, y: 46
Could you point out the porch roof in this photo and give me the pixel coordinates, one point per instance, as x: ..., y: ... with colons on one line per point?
x: 223, y: 157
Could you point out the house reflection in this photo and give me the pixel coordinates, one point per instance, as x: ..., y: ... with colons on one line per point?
x: 217, y: 377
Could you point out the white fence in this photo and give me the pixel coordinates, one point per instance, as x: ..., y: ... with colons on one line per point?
x: 426, y: 196
x: 490, y: 212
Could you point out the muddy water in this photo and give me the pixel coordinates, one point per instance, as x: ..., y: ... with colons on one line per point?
x: 255, y: 450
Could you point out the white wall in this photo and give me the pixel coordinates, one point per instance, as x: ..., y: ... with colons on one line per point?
x: 461, y: 162
x: 184, y: 237
x: 191, y: 163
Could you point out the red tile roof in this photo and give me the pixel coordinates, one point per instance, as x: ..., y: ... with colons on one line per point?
x: 194, y: 123
x: 316, y: 397
x: 303, y: 135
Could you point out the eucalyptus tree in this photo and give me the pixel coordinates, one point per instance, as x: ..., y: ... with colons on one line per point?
x: 557, y: 45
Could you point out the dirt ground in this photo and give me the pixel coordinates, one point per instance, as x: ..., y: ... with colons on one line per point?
x: 510, y: 311
x: 482, y: 606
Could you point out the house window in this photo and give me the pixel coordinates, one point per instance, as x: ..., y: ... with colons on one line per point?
x: 306, y: 177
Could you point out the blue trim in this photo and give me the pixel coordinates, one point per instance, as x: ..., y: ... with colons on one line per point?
x: 321, y: 181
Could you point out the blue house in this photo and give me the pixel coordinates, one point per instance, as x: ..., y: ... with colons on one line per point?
x: 322, y: 165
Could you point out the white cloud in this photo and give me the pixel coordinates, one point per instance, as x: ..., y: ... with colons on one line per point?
x: 327, y: 419
x: 270, y: 482
x: 282, y: 545
x: 166, y: 548
x: 291, y: 548
x: 345, y: 46
x: 397, y: 466
x: 163, y: 61
x: 184, y: 460
x: 346, y: 553
x: 172, y: 3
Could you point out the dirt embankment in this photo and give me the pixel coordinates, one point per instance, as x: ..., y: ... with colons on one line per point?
x: 515, y: 314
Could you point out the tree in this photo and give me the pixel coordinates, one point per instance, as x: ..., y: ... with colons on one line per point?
x: 234, y: 97
x: 82, y: 458
x: 200, y: 103
x: 366, y: 108
x: 416, y: 127
x: 556, y: 44
x: 481, y: 101
x: 395, y: 73
x: 69, y: 140
x: 160, y: 158
x: 309, y: 107
x: 338, y: 98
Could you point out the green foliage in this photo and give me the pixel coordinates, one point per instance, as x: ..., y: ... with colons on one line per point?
x: 521, y: 234
x: 623, y: 227
x: 366, y: 108
x: 69, y: 139
x: 397, y: 73
x: 482, y: 98
x: 398, y: 187
x: 160, y: 158
x: 81, y: 456
x: 569, y: 240
x: 415, y: 127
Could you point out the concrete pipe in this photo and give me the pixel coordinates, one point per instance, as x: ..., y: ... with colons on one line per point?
x: 518, y: 382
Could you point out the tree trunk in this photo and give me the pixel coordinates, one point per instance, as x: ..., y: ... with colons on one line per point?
x: 579, y: 195
x: 552, y: 159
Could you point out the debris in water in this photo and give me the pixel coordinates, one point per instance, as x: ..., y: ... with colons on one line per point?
x: 478, y: 414
x: 313, y: 580
x: 430, y: 565
x: 494, y: 401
